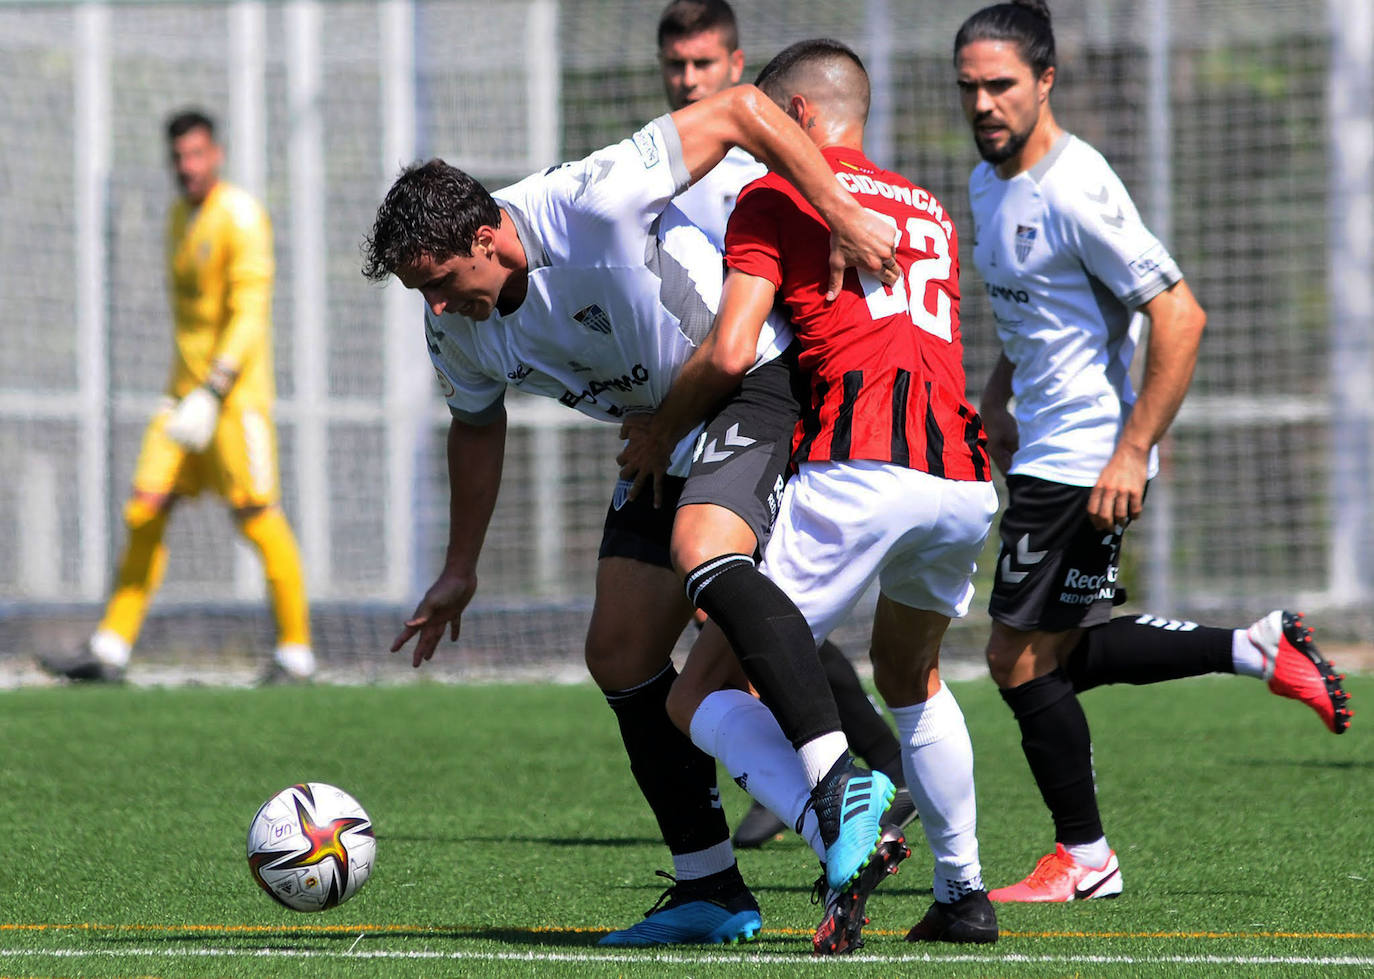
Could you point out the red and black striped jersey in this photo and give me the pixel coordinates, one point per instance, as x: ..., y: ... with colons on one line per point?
x: 885, y: 363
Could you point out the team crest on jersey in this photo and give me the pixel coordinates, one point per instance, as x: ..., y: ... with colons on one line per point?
x: 593, y: 317
x: 1025, y: 239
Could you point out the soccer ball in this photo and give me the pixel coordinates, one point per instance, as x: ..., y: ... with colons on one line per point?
x: 311, y: 846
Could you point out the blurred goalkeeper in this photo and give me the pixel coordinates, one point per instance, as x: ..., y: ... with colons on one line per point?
x: 214, y: 431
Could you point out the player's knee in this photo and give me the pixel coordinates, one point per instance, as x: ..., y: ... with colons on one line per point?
x: 617, y: 660
x: 143, y: 508
x: 1002, y: 656
x: 683, y: 700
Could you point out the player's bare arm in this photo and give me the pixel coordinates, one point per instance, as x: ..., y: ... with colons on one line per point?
x: 715, y: 369
x: 475, y: 456
x: 743, y: 116
x: 998, y: 422
x: 1176, y: 324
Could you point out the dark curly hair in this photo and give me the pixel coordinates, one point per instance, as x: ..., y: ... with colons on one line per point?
x: 432, y: 209
x: 1026, y: 23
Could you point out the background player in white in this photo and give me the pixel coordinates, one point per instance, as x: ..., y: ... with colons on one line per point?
x: 699, y: 55
x: 1066, y: 261
x: 894, y: 484
x: 577, y: 284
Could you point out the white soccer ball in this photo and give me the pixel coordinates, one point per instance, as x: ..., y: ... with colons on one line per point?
x: 311, y: 846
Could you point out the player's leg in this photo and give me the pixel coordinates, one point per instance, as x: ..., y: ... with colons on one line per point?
x: 711, y: 701
x: 162, y: 471
x: 242, y: 461
x: 926, y: 580
x: 638, y: 614
x: 1055, y: 575
x: 736, y: 480
x: 1279, y: 649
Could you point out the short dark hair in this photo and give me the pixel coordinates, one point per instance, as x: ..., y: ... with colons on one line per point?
x: 774, y: 74
x: 432, y: 209
x: 685, y: 18
x: 182, y: 122
x: 1026, y: 23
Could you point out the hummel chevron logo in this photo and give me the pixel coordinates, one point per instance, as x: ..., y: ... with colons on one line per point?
x: 733, y: 440
x: 1014, y: 572
x: 1115, y: 220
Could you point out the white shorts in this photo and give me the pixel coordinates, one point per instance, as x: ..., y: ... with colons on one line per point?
x: 843, y: 524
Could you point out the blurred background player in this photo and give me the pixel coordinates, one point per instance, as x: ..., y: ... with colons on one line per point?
x: 214, y: 431
x: 699, y: 55
x: 1067, y: 261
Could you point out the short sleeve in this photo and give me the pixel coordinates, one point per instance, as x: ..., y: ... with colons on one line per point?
x: 752, y: 238
x: 1112, y: 242
x: 473, y: 395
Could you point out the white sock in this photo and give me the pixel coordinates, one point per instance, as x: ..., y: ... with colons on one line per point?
x: 819, y: 755
x: 734, y: 727
x: 296, y: 659
x: 937, y: 758
x: 1094, y: 855
x: 1246, y: 657
x: 110, y: 648
x: 704, y: 863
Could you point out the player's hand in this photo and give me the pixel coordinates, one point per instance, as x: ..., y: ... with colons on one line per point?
x: 646, y: 456
x: 442, y: 606
x: 1119, y: 494
x: 864, y: 241
x: 1003, y: 436
x: 193, y: 421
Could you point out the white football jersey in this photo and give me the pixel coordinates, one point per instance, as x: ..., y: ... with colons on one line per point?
x: 708, y: 202
x: 621, y: 289
x: 1066, y: 260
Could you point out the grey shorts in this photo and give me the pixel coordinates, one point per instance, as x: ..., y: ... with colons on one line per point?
x: 740, y: 462
x: 1055, y: 571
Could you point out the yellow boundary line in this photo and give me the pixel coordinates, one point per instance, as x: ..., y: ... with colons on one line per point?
x: 435, y: 930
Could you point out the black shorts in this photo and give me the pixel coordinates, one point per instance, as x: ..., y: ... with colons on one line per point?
x: 740, y: 462
x: 1056, y: 571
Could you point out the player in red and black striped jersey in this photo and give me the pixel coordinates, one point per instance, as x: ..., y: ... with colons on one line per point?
x: 884, y: 364
x: 892, y: 485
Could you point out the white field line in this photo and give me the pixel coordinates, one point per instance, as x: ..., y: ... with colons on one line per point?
x: 670, y: 958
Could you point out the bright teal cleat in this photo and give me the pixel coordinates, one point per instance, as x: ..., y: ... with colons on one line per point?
x: 680, y: 918
x: 850, y: 803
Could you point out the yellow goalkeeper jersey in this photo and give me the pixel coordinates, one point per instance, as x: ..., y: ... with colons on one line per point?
x: 219, y: 267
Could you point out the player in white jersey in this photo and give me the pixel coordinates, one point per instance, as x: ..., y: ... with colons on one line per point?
x: 579, y: 284
x: 699, y: 55
x: 1066, y: 261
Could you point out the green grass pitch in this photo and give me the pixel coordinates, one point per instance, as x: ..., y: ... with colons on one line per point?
x: 510, y: 837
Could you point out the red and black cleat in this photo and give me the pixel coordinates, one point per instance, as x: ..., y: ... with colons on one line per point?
x: 1299, y: 670
x: 841, y: 929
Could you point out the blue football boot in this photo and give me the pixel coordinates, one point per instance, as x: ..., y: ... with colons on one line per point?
x: 850, y: 803
x: 704, y: 912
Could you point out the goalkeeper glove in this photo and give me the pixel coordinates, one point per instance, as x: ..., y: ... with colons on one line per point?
x: 193, y: 421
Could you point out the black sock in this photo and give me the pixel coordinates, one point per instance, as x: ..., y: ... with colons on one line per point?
x: 773, y: 642
x: 1146, y: 649
x: 869, y: 735
x: 1058, y: 747
x: 677, y: 778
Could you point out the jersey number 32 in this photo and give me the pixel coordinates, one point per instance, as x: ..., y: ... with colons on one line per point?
x: 908, y: 293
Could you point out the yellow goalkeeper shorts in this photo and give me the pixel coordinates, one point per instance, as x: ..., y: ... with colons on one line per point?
x: 239, y: 464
